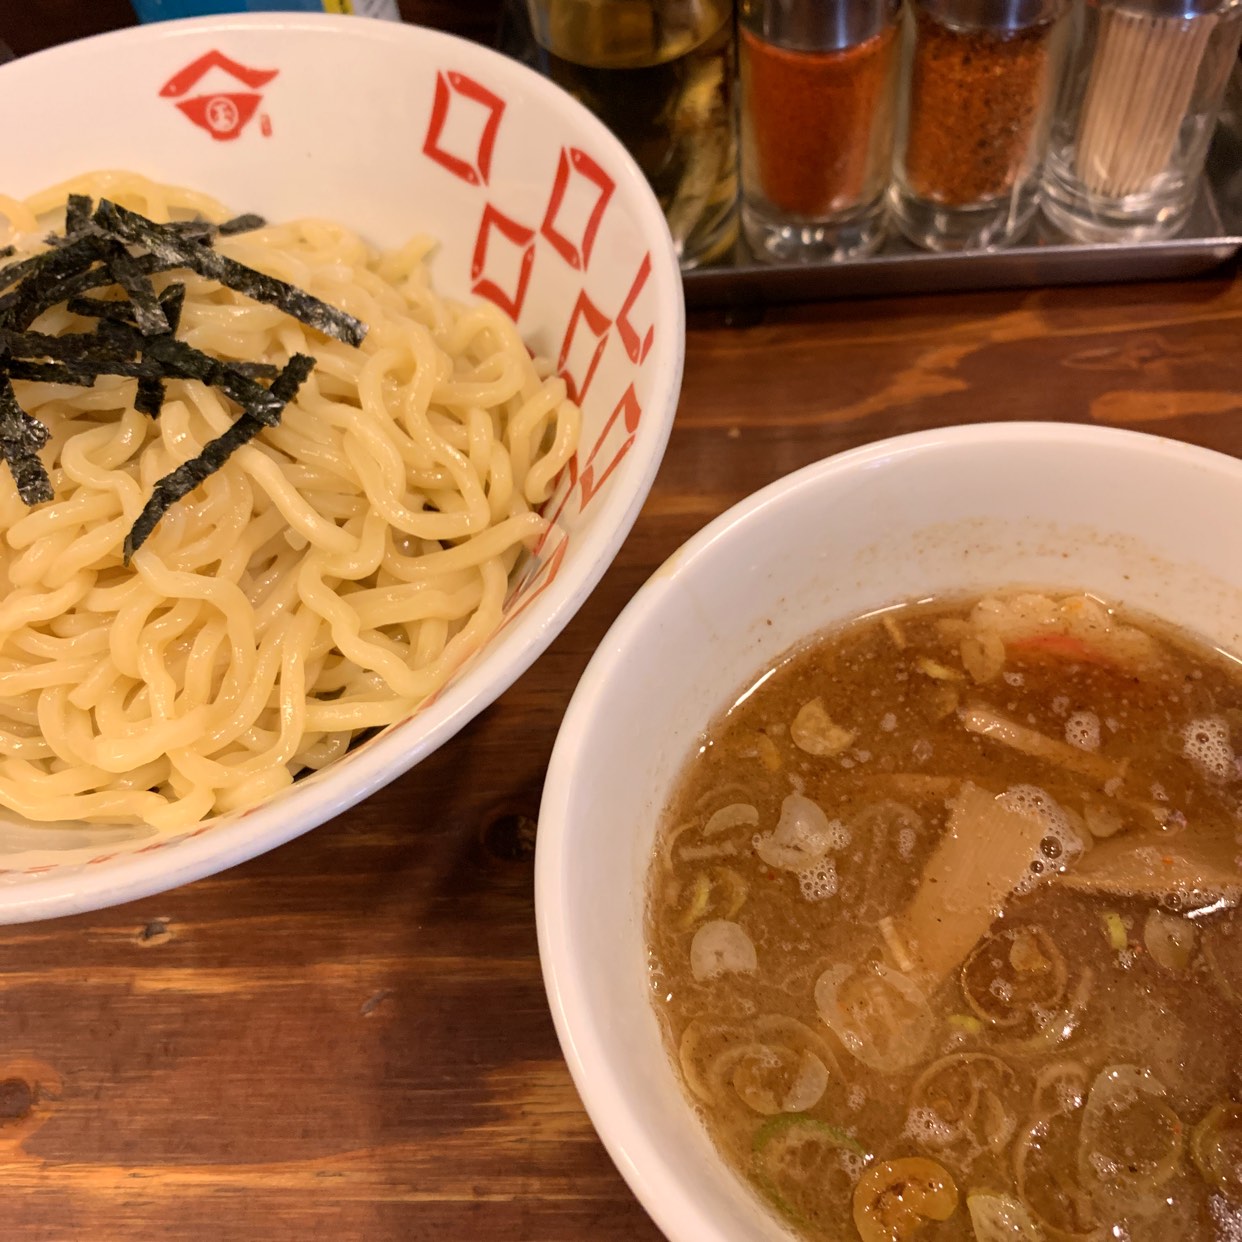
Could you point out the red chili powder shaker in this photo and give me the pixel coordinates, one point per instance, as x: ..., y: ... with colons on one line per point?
x: 817, y: 106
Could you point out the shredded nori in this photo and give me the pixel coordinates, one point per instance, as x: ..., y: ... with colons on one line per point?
x: 21, y: 438
x: 166, y: 243
x: 241, y: 224
x: 204, y: 230
x: 39, y: 288
x: 74, y: 286
x: 107, y: 247
x: 182, y: 481
x: 12, y: 273
x: 77, y: 214
x: 100, y: 308
x: 148, y: 313
x: 150, y: 397
x: 256, y: 370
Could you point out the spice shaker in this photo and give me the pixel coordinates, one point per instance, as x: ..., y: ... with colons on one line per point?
x: 1135, y: 114
x: 973, y: 119
x: 817, y: 101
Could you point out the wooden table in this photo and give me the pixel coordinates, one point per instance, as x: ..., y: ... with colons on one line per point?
x: 349, y: 1036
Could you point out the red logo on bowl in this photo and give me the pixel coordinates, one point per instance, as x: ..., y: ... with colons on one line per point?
x: 222, y: 113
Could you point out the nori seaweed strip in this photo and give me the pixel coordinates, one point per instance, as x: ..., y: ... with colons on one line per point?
x: 121, y: 310
x: 120, y: 341
x: 204, y: 230
x: 41, y: 288
x: 255, y: 370
x: 21, y: 438
x: 163, y: 358
x: 100, y: 308
x: 77, y: 214
x: 47, y: 373
x: 148, y: 313
x: 172, y: 302
x: 182, y: 481
x: 130, y: 227
x: 193, y: 230
x: 79, y: 245
x: 83, y: 375
x: 92, y: 278
x: 85, y: 371
x: 16, y: 272
x: 241, y: 224
x: 72, y: 347
x: 76, y: 373
x: 150, y: 397
x: 77, y: 222
x: 182, y: 361
x: 113, y: 348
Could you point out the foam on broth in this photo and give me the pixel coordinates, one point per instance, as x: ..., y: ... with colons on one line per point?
x: 943, y: 932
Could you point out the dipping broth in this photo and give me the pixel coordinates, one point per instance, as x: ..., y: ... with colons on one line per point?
x: 942, y: 928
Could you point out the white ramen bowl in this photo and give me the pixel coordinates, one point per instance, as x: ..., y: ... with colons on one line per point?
x: 1141, y: 520
x: 392, y: 130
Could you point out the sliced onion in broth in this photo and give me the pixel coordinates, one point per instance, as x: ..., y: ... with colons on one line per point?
x: 815, y: 732
x: 1002, y: 1218
x: 774, y: 1078
x: 1012, y: 975
x: 721, y: 947
x: 1060, y: 1088
x: 700, y: 1050
x: 966, y: 1103
x: 1046, y: 1182
x: 1216, y: 1147
x: 1131, y: 1141
x: 802, y: 837
x: 780, y: 1028
x: 735, y: 815
x: 880, y: 1016
x: 1170, y: 941
x: 1222, y: 949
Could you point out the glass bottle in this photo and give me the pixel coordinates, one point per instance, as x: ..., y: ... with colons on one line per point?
x: 973, y: 119
x: 817, y: 87
x: 164, y: 10
x: 659, y: 74
x: 1135, y: 114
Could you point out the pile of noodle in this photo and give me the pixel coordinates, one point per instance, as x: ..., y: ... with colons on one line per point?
x: 333, y: 574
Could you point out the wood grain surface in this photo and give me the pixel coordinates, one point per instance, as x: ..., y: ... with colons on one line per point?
x: 348, y: 1037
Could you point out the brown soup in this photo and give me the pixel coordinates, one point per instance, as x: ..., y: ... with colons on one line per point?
x: 943, y: 931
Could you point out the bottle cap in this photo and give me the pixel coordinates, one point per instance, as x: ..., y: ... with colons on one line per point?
x: 818, y: 25
x: 1183, y: 10
x: 992, y: 15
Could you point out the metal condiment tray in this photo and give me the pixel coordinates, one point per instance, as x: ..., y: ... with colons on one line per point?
x: 1211, y: 237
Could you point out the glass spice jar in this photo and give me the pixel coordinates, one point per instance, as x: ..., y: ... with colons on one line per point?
x: 1135, y: 114
x: 818, y: 80
x: 973, y: 119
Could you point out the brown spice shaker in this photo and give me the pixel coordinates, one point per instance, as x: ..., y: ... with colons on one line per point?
x: 974, y: 118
